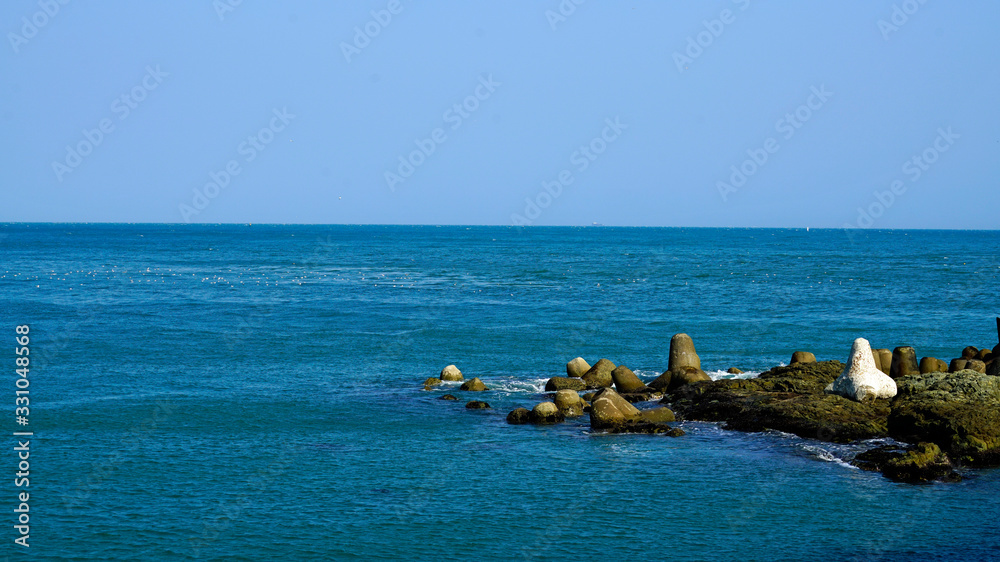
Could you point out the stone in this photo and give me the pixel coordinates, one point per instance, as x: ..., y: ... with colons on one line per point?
x: 519, y: 416
x: 431, y: 381
x: 609, y: 409
x: 878, y: 360
x: 662, y: 382
x: 686, y: 376
x: 885, y: 360
x: 734, y: 371
x: 682, y: 353
x: 569, y: 403
x: 546, y: 413
x: 626, y: 382
x: 904, y: 362
x: 970, y: 352
x: 860, y: 380
x: 923, y: 463
x: 976, y: 365
x: 477, y: 405
x: 474, y: 385
x: 959, y: 412
x: 802, y: 357
x: 789, y: 399
x: 657, y: 415
x: 957, y: 365
x: 984, y: 354
x: 599, y: 376
x: 993, y: 369
x: 561, y: 383
x: 932, y: 365
x: 451, y: 373
x: 577, y: 368
x: 448, y: 397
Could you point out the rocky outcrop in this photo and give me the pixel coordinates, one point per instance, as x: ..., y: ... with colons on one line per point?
x: 599, y: 376
x: 519, y: 416
x: 960, y: 412
x: 451, y: 373
x: 924, y: 462
x: 577, y: 367
x: 477, y: 405
x: 682, y: 353
x: 904, y: 362
x: 802, y: 357
x: 932, y: 365
x: 860, y: 380
x: 626, y: 382
x: 790, y: 399
x: 474, y: 385
x: 560, y: 383
x: 546, y: 413
x: 569, y: 403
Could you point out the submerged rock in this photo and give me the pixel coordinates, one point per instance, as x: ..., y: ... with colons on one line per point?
x: 599, y: 376
x: 610, y: 411
x: 451, y: 373
x: 477, y: 405
x: 448, y: 397
x: 923, y: 463
x: 474, y: 385
x: 577, y: 368
x: 960, y: 412
x: 682, y: 353
x: 734, y: 371
x: 860, y: 380
x: 546, y: 413
x: 519, y: 416
x: 431, y: 381
x: 560, y: 383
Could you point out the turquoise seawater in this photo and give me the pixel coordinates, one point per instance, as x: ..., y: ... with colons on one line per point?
x: 254, y: 392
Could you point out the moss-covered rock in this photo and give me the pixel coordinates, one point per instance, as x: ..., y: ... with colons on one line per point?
x: 923, y: 463
x: 960, y: 412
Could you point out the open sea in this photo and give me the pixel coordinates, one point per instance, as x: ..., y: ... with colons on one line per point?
x: 254, y: 392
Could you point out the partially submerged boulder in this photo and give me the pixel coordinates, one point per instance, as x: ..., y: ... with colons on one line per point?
x: 599, y: 376
x: 626, y: 382
x: 448, y: 397
x: 474, y: 385
x: 960, y: 412
x: 924, y: 462
x: 569, y: 403
x: 610, y: 411
x: 686, y: 376
x: 577, y: 368
x: 451, y: 373
x: 560, y: 383
x: 860, y: 380
x: 477, y: 405
x: 546, y: 413
x: 519, y: 416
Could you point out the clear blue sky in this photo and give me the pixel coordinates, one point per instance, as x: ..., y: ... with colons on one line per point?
x: 315, y: 118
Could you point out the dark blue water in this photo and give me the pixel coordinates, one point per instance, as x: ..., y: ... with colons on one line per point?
x: 254, y: 392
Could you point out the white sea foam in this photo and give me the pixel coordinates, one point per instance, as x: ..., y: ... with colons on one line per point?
x: 722, y: 375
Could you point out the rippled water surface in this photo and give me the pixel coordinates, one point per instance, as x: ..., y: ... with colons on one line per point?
x: 254, y: 391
